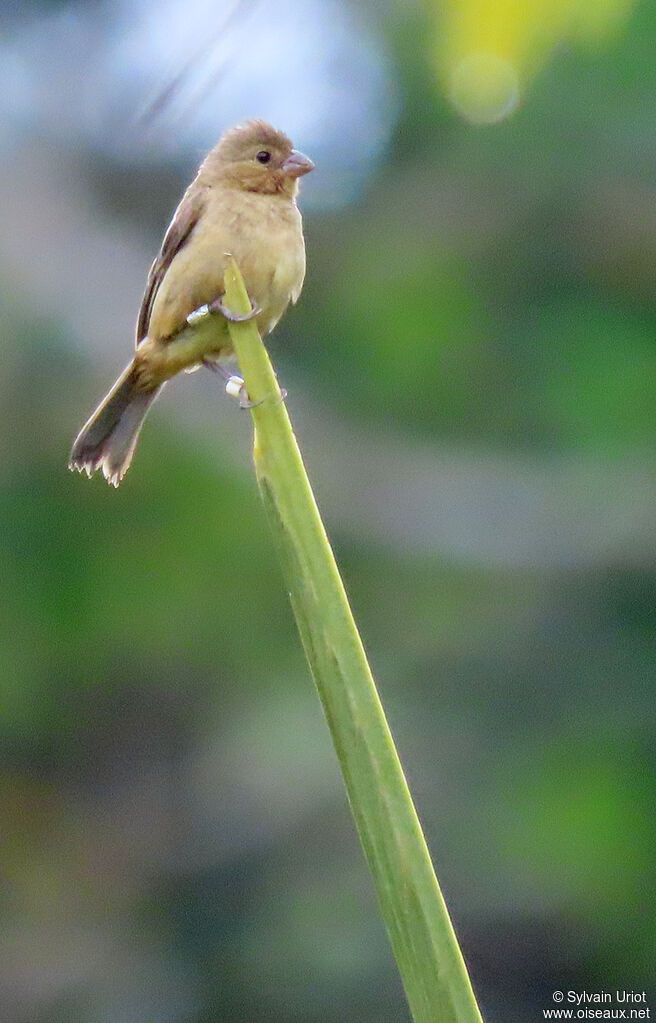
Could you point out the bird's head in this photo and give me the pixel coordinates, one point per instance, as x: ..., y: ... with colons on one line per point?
x: 257, y: 158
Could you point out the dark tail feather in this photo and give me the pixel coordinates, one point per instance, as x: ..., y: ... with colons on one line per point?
x: 107, y: 441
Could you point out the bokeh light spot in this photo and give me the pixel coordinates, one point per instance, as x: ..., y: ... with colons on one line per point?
x: 484, y: 88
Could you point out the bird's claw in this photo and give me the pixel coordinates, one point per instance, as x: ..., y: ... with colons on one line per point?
x: 218, y: 306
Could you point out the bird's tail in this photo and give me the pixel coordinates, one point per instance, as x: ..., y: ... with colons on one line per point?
x: 107, y: 441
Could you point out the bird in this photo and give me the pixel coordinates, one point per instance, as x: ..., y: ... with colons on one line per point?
x: 241, y: 204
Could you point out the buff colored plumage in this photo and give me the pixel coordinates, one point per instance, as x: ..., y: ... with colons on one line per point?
x: 241, y: 203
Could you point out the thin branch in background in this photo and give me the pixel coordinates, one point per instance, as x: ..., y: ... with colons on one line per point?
x: 167, y: 96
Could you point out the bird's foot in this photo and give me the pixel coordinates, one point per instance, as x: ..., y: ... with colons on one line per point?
x: 234, y: 384
x: 236, y: 388
x: 218, y: 306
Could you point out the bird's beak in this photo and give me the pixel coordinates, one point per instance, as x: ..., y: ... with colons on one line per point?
x: 297, y: 164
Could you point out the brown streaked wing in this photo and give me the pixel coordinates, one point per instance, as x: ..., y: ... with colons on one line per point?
x: 184, y: 220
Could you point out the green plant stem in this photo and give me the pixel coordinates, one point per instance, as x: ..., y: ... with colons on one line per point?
x: 424, y: 944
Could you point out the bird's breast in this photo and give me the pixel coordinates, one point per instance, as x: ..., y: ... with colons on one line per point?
x: 264, y: 235
x: 267, y: 244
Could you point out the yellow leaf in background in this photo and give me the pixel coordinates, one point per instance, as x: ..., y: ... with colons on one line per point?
x: 490, y: 49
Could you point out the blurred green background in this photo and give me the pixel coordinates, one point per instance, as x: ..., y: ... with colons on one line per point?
x: 471, y: 372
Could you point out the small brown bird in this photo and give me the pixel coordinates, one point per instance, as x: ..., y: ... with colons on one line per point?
x: 241, y: 203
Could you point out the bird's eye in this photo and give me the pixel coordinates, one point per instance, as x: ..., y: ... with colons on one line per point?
x: 263, y: 156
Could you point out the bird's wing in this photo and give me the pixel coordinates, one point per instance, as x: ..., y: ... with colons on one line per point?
x: 179, y: 230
